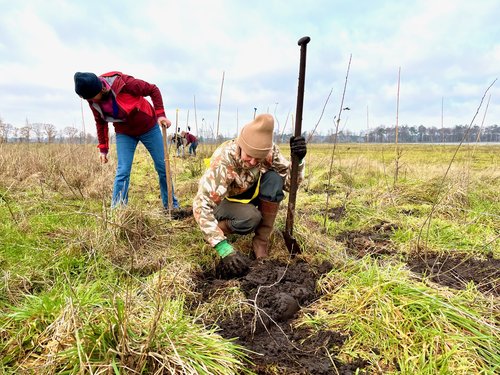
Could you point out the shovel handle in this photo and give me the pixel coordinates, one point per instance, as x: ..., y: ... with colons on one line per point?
x: 300, y: 91
x: 304, y: 40
x: 298, y: 130
x: 167, y: 168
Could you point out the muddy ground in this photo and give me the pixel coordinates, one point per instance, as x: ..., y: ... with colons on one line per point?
x: 277, y: 292
x: 456, y: 271
x: 375, y: 241
x: 452, y: 270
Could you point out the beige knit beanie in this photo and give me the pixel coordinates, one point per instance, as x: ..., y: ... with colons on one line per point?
x: 256, y: 137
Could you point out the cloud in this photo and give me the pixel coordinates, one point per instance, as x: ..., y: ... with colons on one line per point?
x: 447, y: 51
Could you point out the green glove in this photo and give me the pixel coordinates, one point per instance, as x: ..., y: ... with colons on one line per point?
x: 223, y: 248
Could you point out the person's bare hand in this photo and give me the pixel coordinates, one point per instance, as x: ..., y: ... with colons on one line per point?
x: 104, y: 158
x: 164, y: 122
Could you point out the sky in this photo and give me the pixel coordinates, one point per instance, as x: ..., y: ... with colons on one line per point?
x: 445, y: 55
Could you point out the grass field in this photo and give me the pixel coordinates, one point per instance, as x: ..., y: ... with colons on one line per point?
x: 410, y: 237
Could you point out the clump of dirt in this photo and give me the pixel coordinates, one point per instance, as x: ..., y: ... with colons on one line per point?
x: 457, y: 270
x: 373, y: 242
x: 336, y: 213
x: 181, y: 213
x: 276, y: 292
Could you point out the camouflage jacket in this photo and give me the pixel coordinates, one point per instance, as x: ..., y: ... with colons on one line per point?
x: 226, y: 177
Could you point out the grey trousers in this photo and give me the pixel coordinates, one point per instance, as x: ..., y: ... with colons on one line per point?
x: 245, y: 217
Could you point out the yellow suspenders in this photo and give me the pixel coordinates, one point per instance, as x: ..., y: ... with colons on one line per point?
x: 256, y: 192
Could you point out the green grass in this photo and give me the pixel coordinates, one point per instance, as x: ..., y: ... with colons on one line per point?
x: 404, y: 326
x: 88, y: 290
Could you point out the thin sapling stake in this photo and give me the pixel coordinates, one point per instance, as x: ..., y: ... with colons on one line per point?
x: 335, y: 143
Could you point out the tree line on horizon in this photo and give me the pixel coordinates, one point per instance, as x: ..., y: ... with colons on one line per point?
x: 48, y: 133
x: 413, y: 134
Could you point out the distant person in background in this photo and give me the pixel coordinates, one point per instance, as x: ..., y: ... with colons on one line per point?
x: 120, y: 99
x: 191, y: 141
x: 179, y: 141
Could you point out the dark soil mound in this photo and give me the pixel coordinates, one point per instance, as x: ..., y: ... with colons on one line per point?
x: 336, y: 213
x: 182, y: 213
x: 458, y: 270
x: 454, y: 271
x: 373, y: 242
x: 277, y: 291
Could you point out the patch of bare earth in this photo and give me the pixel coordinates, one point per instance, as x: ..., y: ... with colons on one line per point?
x: 277, y: 291
x: 457, y: 270
x: 451, y: 270
x: 336, y: 213
x: 375, y: 241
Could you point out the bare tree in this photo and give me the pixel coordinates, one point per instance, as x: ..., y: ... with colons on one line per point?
x: 89, y: 138
x: 37, y: 128
x: 15, y: 132
x: 25, y: 133
x: 60, y: 136
x: 2, y: 130
x: 50, y: 130
x: 81, y: 136
x: 70, y: 132
x: 5, y: 130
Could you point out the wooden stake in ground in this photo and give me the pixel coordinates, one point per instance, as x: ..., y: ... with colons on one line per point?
x: 218, y: 112
x: 176, y: 134
x: 367, y: 125
x: 330, y: 172
x: 284, y: 127
x: 195, y: 117
x: 396, y: 130
x: 83, y: 122
x: 237, y: 123
x: 320, y: 117
x: 167, y: 169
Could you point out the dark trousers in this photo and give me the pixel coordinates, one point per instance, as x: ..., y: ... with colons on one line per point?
x: 245, y: 217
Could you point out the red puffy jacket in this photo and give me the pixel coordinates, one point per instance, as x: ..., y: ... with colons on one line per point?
x: 139, y: 115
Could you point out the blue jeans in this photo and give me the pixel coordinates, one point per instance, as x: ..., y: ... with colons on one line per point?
x: 192, y: 148
x: 125, y: 149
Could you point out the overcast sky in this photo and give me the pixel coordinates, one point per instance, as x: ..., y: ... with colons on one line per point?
x: 448, y: 52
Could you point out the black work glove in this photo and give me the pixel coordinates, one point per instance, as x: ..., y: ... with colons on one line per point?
x: 298, y: 147
x: 235, y: 264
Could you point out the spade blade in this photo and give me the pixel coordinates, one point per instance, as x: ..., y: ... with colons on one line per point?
x: 291, y: 244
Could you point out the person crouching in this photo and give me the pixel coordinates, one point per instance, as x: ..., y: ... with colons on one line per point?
x: 242, y: 189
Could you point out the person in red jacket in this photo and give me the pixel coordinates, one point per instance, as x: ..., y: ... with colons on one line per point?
x: 191, y: 141
x: 120, y: 99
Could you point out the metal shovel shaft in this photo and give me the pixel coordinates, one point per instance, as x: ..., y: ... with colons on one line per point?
x: 290, y: 241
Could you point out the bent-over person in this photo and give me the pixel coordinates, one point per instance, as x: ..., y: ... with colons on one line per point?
x: 191, y: 141
x: 120, y: 99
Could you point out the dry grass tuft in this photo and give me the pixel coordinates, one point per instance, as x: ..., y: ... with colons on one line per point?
x: 175, y: 280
